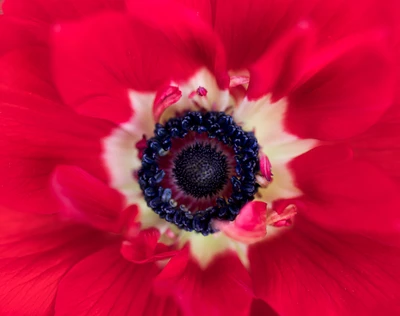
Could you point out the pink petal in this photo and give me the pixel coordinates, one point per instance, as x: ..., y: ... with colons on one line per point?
x: 238, y: 81
x: 265, y: 167
x: 165, y: 98
x: 250, y: 225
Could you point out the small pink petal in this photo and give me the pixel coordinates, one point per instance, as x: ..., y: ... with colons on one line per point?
x: 146, y: 248
x: 283, y: 223
x: 262, y: 181
x: 249, y: 226
x: 164, y: 99
x: 201, y: 91
x: 285, y: 218
x: 265, y: 167
x: 170, y: 234
x: 141, y: 145
x: 238, y: 81
x: 132, y: 227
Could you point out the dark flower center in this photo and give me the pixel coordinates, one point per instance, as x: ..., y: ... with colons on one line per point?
x: 201, y: 170
x: 197, y: 160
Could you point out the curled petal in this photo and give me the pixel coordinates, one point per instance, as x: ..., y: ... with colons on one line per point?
x: 284, y: 218
x: 249, y: 226
x: 145, y: 247
x: 266, y: 173
x: 85, y: 198
x: 164, y: 99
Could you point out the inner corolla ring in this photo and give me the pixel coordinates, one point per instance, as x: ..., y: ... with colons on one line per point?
x: 215, y: 127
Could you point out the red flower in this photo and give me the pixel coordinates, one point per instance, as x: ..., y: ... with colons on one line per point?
x: 197, y: 157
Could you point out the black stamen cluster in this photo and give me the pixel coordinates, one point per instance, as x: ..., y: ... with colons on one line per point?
x: 201, y: 170
x: 217, y: 125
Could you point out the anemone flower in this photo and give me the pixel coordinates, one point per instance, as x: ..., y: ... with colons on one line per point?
x: 199, y: 157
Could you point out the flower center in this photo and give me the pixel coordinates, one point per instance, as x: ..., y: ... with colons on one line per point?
x: 201, y: 170
x: 198, y: 168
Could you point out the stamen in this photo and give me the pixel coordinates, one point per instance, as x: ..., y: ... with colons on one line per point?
x: 200, y: 170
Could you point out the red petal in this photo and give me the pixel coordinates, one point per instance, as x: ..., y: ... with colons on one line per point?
x: 84, y: 51
x: 85, y: 198
x: 52, y: 11
x: 259, y: 307
x: 280, y: 66
x: 111, y: 53
x: 17, y: 34
x: 309, y: 271
x: 35, y: 253
x: 380, y: 145
x: 35, y: 132
x: 345, y: 193
x: 110, y: 285
x: 203, y: 8
x: 191, y: 42
x: 353, y: 76
x: 145, y: 247
x: 248, y: 28
x: 209, y: 291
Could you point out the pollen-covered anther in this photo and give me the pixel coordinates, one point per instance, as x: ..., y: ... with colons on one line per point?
x: 283, y: 219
